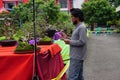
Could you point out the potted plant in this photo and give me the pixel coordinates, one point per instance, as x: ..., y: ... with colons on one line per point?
x: 24, y: 47
x: 45, y: 41
x: 8, y: 29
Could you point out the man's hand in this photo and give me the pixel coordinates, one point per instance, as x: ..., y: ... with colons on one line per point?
x: 67, y: 41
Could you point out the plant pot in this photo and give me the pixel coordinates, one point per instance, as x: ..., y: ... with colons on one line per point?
x: 6, y: 43
x: 45, y: 43
x: 25, y: 51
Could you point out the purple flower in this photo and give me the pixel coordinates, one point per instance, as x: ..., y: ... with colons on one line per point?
x: 32, y: 42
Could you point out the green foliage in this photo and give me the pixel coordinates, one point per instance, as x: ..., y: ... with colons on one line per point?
x: 8, y: 26
x: 63, y: 17
x: 44, y: 9
x: 51, y: 11
x: 46, y: 13
x: 24, y: 46
x: 2, y: 38
x: 64, y: 23
x: 25, y: 32
x: 46, y: 38
x: 23, y: 12
x: 117, y: 30
x: 116, y: 3
x: 98, y: 11
x: 118, y: 22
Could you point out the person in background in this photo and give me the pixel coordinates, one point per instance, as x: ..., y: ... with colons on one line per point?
x: 78, y: 45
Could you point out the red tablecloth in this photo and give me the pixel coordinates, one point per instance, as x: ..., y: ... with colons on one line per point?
x: 20, y: 66
x: 50, y: 63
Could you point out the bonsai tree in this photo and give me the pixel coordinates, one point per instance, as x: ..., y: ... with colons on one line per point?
x: 8, y: 27
x: 25, y: 46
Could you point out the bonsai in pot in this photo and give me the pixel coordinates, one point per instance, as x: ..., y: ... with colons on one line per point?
x: 7, y: 31
x: 45, y: 41
x: 24, y: 47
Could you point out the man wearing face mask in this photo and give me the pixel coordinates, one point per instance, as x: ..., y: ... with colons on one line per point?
x: 78, y: 45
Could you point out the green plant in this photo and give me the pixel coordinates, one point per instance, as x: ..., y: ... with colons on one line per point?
x: 24, y: 46
x: 118, y: 30
x: 46, y: 38
x: 8, y: 26
x: 44, y: 19
x: 98, y: 11
x: 2, y: 38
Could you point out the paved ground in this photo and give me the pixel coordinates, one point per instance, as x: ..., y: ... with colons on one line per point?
x: 103, y: 61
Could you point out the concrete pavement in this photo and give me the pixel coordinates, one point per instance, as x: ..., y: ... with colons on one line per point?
x: 103, y: 60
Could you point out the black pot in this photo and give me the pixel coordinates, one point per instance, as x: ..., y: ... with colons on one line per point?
x: 26, y: 51
x: 5, y: 43
x: 45, y: 43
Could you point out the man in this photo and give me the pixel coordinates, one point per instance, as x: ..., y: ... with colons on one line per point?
x: 78, y: 45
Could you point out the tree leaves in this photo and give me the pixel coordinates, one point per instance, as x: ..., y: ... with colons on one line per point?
x: 98, y: 11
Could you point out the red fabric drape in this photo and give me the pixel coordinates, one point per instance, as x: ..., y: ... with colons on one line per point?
x: 50, y: 63
x: 1, y: 3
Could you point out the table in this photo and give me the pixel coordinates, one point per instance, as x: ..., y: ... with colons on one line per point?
x: 20, y: 66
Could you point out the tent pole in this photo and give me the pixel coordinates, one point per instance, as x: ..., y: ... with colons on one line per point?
x: 35, y: 50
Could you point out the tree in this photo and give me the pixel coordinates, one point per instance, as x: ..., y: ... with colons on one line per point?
x: 116, y: 3
x: 48, y: 15
x: 98, y: 11
x: 46, y: 9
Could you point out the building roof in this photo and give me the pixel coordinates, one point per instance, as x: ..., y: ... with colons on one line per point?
x: 3, y: 10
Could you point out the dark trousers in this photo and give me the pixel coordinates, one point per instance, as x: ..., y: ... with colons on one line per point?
x: 75, y: 70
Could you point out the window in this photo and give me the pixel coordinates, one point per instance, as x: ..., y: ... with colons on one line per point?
x: 63, y: 3
x: 9, y: 5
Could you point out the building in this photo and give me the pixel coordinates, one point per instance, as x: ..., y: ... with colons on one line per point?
x: 118, y: 9
x: 8, y: 4
x: 66, y: 5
